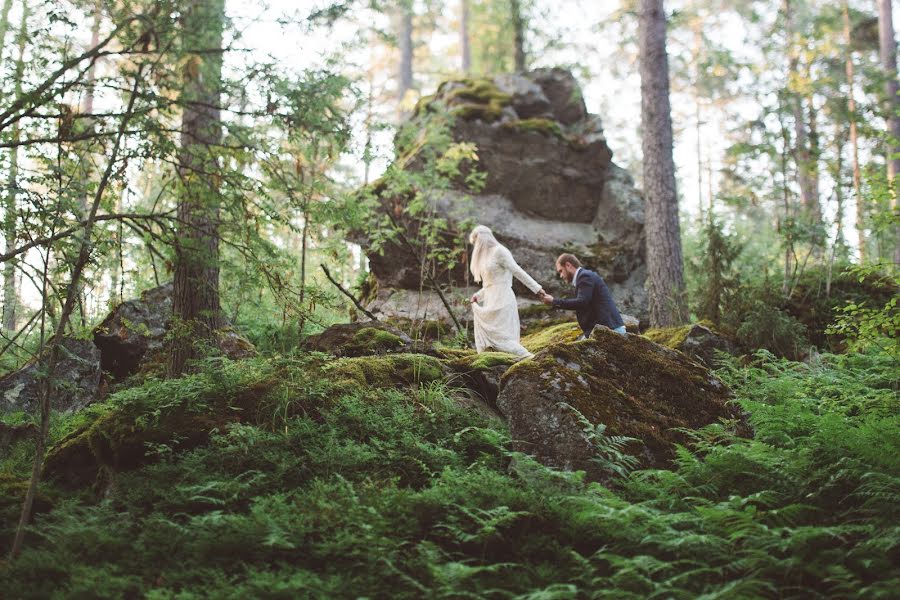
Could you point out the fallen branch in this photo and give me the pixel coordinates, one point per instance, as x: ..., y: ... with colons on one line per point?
x: 348, y: 294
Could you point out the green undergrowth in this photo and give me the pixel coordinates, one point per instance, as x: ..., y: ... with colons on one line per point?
x: 399, y: 492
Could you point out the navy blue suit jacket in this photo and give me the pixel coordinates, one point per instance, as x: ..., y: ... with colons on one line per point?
x: 593, y: 304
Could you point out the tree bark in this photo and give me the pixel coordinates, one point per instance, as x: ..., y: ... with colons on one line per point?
x: 465, y: 49
x: 809, y: 201
x: 4, y: 24
x: 518, y: 24
x: 888, y: 49
x: 854, y: 137
x: 405, y: 75
x: 195, y: 294
x: 10, y: 293
x: 665, y: 282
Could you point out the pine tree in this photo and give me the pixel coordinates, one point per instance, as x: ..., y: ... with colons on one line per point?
x: 195, y: 299
x: 665, y: 284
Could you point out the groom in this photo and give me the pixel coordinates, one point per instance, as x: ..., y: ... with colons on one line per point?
x: 593, y: 303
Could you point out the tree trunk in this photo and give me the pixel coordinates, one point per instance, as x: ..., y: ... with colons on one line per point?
x: 665, y: 282
x: 195, y: 296
x: 4, y: 24
x: 854, y: 137
x: 406, y: 52
x: 802, y: 156
x: 889, y: 65
x: 518, y: 23
x: 465, y: 49
x: 10, y: 293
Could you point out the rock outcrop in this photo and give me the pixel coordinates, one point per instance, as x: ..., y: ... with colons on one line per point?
x: 634, y: 387
x: 361, y: 339
x: 78, y: 376
x: 132, y: 335
x: 550, y: 187
x: 697, y: 341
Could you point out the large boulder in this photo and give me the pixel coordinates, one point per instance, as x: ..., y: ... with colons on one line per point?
x: 550, y: 187
x: 632, y: 386
x: 697, y: 341
x: 360, y: 339
x: 78, y: 380
x: 134, y: 333
x: 133, y: 330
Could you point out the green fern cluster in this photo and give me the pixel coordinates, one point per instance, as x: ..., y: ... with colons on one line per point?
x: 404, y: 494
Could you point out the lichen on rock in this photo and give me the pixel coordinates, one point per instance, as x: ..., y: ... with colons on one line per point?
x: 634, y: 387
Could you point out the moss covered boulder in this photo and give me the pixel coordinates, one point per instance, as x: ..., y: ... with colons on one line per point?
x: 634, y: 387
x: 699, y: 341
x: 361, y: 339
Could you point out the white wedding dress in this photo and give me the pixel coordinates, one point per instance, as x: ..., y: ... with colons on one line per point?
x: 496, y: 313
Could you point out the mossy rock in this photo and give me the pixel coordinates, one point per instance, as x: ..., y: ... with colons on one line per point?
x: 567, y: 331
x: 349, y: 374
x: 634, y: 387
x: 481, y: 372
x: 473, y: 99
x: 548, y: 127
x: 699, y: 341
x: 359, y: 339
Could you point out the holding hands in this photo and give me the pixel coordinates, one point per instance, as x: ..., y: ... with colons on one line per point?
x: 545, y: 297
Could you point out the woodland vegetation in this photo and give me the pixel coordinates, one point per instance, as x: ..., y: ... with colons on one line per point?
x: 143, y: 143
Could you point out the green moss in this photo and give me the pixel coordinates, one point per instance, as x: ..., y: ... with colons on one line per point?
x: 672, y: 337
x: 369, y: 340
x: 545, y: 126
x: 477, y: 99
x: 563, y: 332
x: 484, y: 360
x: 348, y: 374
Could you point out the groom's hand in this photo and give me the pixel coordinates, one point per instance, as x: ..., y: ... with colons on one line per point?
x: 547, y: 298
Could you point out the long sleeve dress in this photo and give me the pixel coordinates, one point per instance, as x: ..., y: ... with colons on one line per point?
x: 496, y: 313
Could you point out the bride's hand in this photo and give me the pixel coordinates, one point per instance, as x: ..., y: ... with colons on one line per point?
x: 474, y: 298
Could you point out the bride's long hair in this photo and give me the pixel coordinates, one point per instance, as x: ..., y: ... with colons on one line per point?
x: 484, y: 242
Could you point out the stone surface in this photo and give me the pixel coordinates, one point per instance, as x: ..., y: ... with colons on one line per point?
x: 134, y: 329
x: 135, y: 332
x: 697, y: 341
x: 360, y: 339
x: 78, y: 375
x: 636, y: 388
x: 551, y: 187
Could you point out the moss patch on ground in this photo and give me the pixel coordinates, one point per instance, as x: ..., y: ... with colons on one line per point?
x: 393, y: 370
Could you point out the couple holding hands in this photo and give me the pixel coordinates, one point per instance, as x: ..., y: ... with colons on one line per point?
x: 494, y: 305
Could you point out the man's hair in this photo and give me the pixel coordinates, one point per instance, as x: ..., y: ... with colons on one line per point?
x: 568, y: 258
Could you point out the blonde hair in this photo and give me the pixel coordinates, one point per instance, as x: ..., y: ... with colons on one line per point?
x: 485, y: 242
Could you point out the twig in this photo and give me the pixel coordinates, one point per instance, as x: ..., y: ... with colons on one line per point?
x: 348, y: 294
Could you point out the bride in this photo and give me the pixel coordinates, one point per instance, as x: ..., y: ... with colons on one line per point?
x: 494, y: 305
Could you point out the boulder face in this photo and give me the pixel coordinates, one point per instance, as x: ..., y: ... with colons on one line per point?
x: 79, y: 381
x: 696, y: 341
x: 634, y: 387
x: 550, y: 187
x: 134, y: 329
x: 360, y: 339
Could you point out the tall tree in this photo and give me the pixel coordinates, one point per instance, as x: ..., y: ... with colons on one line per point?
x: 405, y: 74
x: 518, y: 24
x: 888, y: 47
x: 4, y: 23
x: 803, y: 156
x: 665, y: 265
x: 465, y: 48
x: 854, y: 133
x: 196, y: 288
x: 10, y: 295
